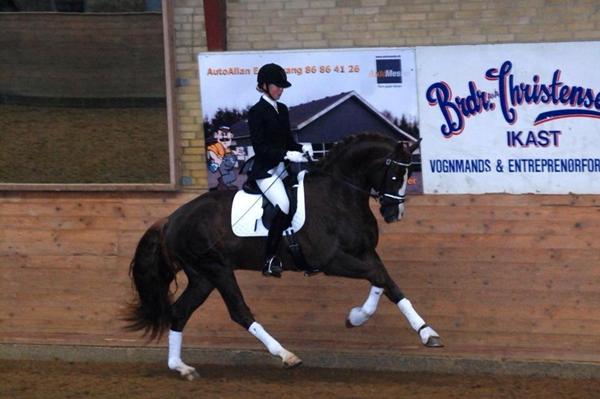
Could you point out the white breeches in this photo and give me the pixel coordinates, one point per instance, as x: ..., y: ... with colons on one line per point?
x: 273, y: 188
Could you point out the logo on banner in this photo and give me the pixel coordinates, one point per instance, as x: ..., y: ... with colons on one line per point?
x: 508, y: 96
x: 389, y: 70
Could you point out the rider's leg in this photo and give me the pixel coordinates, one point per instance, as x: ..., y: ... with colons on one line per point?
x: 272, y: 265
x: 273, y: 188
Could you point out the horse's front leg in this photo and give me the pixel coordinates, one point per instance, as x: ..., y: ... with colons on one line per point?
x: 361, y: 314
x: 429, y: 337
x: 227, y: 286
x: 372, y: 269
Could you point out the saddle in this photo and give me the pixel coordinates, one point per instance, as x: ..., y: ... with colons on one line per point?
x: 291, y: 183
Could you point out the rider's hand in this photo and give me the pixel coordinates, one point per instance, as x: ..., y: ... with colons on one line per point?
x: 295, y: 156
x: 308, y: 149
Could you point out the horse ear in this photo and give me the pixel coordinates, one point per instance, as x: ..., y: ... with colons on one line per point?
x: 414, y: 145
x: 410, y: 148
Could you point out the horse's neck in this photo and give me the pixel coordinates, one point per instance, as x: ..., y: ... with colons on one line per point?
x: 356, y: 163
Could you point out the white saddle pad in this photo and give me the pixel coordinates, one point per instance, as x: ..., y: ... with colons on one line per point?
x: 246, y: 212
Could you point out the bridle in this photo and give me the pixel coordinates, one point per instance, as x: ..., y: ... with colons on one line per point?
x: 379, y: 194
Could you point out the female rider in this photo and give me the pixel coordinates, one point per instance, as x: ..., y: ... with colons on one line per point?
x: 273, y: 143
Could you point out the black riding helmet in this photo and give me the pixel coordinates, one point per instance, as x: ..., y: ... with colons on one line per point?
x: 272, y: 73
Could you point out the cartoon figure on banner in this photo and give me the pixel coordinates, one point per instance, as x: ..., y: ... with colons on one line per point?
x: 222, y: 159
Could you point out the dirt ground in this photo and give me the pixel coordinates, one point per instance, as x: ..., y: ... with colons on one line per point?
x: 57, y: 379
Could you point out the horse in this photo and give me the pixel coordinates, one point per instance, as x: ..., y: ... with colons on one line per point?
x: 338, y: 238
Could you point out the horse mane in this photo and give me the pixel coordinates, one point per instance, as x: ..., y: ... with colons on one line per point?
x: 340, y: 148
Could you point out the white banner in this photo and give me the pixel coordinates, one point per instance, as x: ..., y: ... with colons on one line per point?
x: 513, y: 118
x: 334, y: 93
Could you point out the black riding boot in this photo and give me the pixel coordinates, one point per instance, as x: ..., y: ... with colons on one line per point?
x: 272, y: 266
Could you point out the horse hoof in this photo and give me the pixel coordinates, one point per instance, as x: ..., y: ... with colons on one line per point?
x: 292, y: 362
x: 434, y: 342
x: 357, y: 317
x: 191, y: 376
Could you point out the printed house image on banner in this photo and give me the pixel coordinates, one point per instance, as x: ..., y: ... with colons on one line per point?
x: 330, y: 119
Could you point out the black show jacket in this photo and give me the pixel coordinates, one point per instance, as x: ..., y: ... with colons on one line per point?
x: 271, y: 137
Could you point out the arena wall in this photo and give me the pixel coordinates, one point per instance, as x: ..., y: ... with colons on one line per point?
x: 72, y: 55
x: 499, y: 276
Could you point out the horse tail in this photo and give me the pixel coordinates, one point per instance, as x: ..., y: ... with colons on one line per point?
x: 152, y: 272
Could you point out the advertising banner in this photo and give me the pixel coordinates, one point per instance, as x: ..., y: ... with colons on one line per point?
x: 334, y: 94
x: 510, y: 118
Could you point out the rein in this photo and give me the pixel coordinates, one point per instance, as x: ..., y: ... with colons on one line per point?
x: 397, y: 199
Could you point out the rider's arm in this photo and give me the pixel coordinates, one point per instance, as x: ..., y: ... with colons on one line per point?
x: 291, y: 143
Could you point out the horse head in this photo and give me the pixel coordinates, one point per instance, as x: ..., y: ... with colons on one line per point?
x: 374, y: 163
x: 392, y: 189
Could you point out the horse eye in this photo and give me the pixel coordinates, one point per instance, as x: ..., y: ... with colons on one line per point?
x: 394, y: 178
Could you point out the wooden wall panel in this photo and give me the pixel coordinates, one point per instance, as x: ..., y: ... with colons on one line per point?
x: 496, y: 275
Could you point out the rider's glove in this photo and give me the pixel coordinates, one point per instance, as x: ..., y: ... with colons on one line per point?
x: 295, y: 156
x: 308, y: 149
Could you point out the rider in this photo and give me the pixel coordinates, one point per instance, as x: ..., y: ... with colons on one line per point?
x: 273, y: 143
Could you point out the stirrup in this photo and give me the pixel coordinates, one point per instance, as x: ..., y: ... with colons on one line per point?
x: 272, y: 267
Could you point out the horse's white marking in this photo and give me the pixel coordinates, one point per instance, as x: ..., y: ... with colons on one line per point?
x: 246, y: 212
x: 402, y: 193
x: 175, y: 362
x: 416, y: 321
x: 274, y: 347
x: 359, y: 315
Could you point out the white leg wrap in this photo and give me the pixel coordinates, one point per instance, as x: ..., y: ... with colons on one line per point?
x: 370, y: 305
x: 175, y: 338
x: 416, y: 322
x: 359, y: 315
x: 411, y: 315
x: 175, y: 362
x: 272, y: 345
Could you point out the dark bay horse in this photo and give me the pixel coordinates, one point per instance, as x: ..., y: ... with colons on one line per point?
x: 339, y: 237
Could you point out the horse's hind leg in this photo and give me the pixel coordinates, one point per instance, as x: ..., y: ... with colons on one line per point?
x: 198, y: 289
x: 227, y: 285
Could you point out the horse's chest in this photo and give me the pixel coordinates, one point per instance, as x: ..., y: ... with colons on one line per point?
x: 358, y: 237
